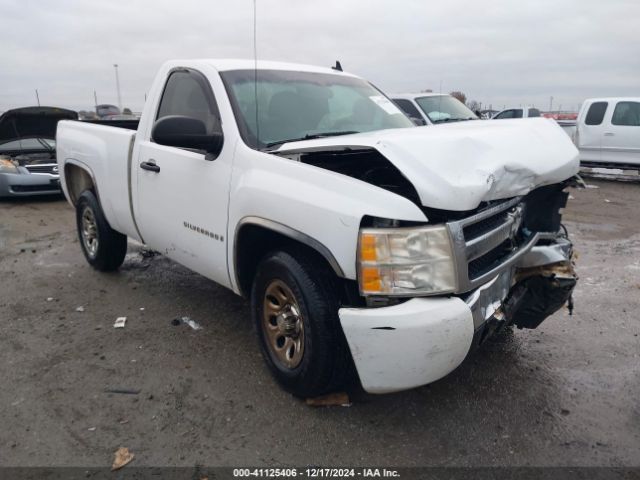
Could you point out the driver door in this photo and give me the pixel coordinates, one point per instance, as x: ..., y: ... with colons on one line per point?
x: 182, y: 198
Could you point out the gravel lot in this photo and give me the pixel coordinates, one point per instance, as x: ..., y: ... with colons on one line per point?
x: 564, y: 394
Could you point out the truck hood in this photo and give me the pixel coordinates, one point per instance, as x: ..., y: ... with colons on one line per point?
x: 458, y: 166
x: 32, y: 122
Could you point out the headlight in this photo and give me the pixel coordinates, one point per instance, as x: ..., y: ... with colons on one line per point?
x: 7, y: 166
x: 405, y: 261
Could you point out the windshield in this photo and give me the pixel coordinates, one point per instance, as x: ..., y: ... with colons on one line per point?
x: 444, y: 108
x: 28, y: 144
x: 301, y: 105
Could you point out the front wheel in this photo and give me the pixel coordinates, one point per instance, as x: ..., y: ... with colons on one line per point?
x: 295, y: 310
x: 103, y: 247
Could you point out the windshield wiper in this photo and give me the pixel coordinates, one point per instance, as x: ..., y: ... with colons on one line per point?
x: 445, y: 120
x: 310, y: 136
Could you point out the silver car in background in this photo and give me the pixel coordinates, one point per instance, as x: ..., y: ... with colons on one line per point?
x: 28, y: 150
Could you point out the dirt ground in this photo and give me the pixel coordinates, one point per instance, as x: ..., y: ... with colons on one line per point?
x: 564, y: 394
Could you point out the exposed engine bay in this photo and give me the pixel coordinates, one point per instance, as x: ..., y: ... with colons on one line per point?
x: 367, y: 165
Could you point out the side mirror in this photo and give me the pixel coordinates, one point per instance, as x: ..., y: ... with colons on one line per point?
x: 187, y: 132
x: 418, y: 122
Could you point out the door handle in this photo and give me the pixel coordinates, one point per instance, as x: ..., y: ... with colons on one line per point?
x: 151, y: 166
x: 608, y: 134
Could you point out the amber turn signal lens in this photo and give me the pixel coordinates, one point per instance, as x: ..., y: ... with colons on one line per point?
x: 368, y: 248
x: 371, y: 281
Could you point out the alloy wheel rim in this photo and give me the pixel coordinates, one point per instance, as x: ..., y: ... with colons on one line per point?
x: 89, y: 232
x: 283, y: 325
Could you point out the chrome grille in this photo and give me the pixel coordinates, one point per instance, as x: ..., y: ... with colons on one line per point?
x: 488, y: 242
x: 501, y: 227
x: 43, y: 168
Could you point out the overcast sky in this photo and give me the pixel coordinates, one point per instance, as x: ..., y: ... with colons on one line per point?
x: 499, y: 52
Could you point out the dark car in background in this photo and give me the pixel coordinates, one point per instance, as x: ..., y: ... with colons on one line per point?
x: 28, y: 150
x: 106, y: 111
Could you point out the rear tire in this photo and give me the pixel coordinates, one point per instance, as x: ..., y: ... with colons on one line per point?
x: 103, y: 247
x: 295, y: 310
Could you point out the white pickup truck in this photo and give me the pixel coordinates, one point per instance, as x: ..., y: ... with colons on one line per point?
x: 607, y: 132
x: 362, y: 240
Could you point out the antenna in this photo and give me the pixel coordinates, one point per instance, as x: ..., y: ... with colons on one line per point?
x: 255, y: 71
x: 440, y: 99
x: 115, y: 66
x: 337, y: 66
x: 37, y: 97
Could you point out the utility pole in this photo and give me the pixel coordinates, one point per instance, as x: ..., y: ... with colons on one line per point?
x: 551, y: 104
x: 95, y: 100
x: 115, y: 66
x: 37, y: 97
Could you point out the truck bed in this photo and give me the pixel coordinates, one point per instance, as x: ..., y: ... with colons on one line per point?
x: 105, y: 151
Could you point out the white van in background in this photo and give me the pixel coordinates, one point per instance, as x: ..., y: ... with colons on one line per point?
x: 608, y: 132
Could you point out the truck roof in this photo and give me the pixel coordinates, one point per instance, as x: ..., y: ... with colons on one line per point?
x: 226, y: 64
x: 613, y: 99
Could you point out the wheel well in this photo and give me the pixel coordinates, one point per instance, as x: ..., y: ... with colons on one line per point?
x: 77, y: 180
x: 253, y: 242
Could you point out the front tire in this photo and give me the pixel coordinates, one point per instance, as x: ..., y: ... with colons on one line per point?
x: 103, y: 247
x: 295, y: 310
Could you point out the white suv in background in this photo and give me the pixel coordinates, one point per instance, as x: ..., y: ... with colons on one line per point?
x: 432, y: 108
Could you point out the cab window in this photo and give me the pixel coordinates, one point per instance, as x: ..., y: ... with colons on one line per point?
x: 596, y: 112
x: 626, y: 114
x: 188, y: 93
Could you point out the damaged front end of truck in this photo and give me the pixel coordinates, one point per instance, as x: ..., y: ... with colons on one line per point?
x: 498, y: 190
x: 513, y: 257
x: 513, y: 265
x: 532, y: 268
x: 491, y: 253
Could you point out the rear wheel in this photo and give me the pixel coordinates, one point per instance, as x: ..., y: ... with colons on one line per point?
x: 103, y: 247
x: 295, y: 311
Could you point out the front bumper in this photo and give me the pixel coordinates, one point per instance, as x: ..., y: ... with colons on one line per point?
x: 423, y: 339
x: 407, y: 345
x: 28, y: 184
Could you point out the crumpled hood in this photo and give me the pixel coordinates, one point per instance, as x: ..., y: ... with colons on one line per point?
x: 32, y: 122
x: 458, y: 166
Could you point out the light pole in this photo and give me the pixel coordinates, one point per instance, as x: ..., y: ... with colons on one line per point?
x: 115, y: 66
x: 551, y: 104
